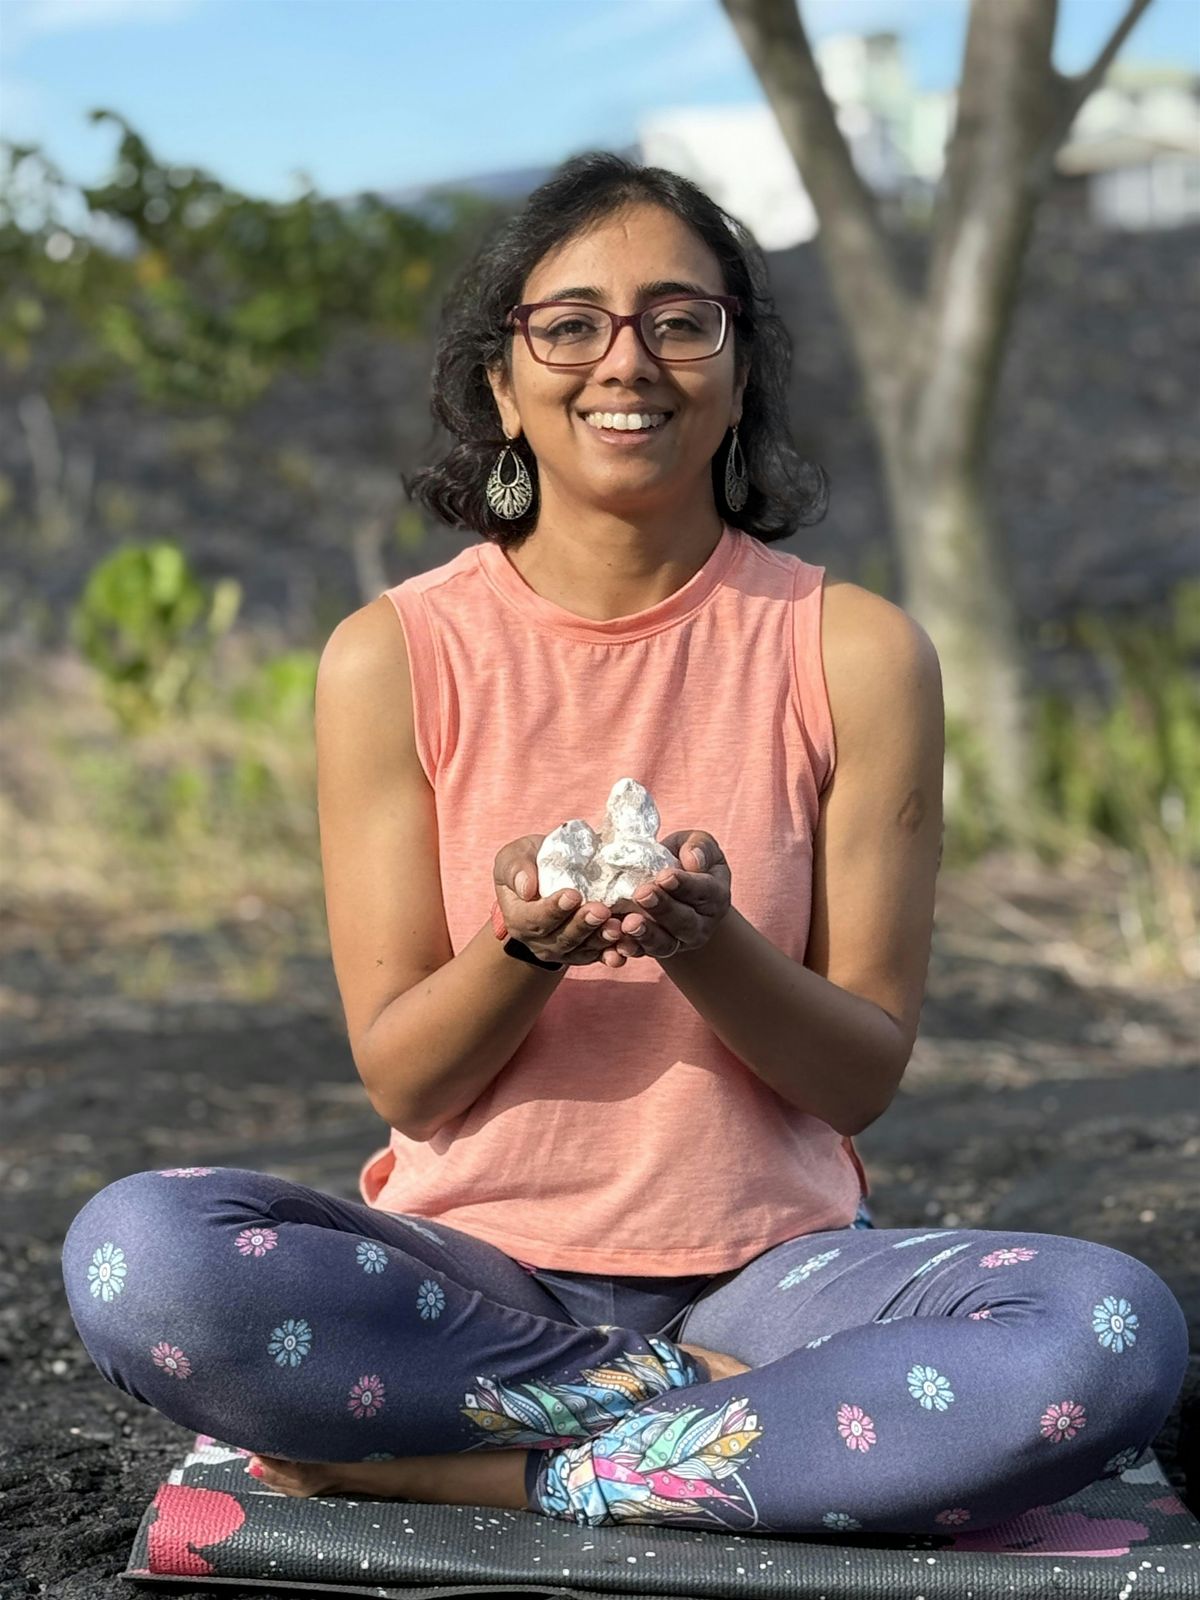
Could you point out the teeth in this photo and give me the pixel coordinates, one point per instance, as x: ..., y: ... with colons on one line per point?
x: 625, y: 421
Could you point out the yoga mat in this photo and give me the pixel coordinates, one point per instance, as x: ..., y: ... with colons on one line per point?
x: 1124, y: 1538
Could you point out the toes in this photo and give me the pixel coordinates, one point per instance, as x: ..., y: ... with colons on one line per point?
x: 288, y: 1477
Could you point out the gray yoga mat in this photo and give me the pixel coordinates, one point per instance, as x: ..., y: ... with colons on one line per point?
x: 210, y: 1523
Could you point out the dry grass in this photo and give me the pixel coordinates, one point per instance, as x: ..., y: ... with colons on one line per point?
x: 212, y: 818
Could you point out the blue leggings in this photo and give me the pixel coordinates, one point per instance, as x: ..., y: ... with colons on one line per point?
x: 902, y: 1381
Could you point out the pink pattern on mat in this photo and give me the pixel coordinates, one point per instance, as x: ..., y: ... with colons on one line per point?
x: 1042, y: 1532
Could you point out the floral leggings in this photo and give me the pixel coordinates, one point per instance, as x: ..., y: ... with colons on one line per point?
x: 901, y: 1380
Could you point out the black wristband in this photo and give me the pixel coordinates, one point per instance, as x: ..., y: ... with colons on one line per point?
x: 522, y: 952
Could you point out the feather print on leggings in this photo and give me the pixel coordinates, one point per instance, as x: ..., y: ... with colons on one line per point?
x: 539, y: 1413
x: 655, y: 1467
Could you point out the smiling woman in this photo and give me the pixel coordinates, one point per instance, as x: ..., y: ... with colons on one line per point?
x: 552, y: 252
x: 614, y: 1126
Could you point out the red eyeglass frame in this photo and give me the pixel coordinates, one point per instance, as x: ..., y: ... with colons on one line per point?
x: 519, y: 315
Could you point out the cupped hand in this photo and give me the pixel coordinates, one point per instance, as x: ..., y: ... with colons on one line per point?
x: 555, y: 927
x: 677, y: 911
x: 680, y: 909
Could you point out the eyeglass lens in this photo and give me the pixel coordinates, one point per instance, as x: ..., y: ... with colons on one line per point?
x: 566, y: 334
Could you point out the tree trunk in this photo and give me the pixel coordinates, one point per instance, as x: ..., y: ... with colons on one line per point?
x: 958, y: 588
x: 930, y: 364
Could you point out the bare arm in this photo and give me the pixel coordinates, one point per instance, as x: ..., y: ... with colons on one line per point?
x: 428, y: 1029
x: 834, y: 1035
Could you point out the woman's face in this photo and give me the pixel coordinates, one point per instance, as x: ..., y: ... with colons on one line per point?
x: 641, y: 245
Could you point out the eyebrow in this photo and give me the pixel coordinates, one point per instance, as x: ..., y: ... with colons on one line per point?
x: 644, y: 291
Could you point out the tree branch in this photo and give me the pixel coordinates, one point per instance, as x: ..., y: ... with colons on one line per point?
x: 981, y: 222
x: 1074, y: 90
x: 862, y: 276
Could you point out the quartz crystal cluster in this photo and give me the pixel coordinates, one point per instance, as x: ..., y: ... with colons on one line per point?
x: 606, y: 866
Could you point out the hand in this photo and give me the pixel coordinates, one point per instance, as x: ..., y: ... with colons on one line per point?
x: 554, y: 932
x: 690, y: 903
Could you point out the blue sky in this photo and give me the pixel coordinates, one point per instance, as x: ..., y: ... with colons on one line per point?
x: 387, y: 93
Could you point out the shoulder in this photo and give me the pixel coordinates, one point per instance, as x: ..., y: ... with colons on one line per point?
x: 365, y: 657
x: 878, y: 661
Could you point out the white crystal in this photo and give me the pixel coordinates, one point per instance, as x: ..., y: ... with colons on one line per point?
x: 606, y: 866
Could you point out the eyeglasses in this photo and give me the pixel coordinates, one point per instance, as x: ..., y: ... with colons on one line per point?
x: 569, y: 333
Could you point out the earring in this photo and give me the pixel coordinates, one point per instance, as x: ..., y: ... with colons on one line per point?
x: 511, y: 499
x: 737, y: 478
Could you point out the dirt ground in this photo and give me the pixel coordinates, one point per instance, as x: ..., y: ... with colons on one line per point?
x: 1043, y: 1095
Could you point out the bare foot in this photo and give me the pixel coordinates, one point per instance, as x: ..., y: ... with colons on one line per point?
x: 375, y: 1480
x: 470, y: 1478
x: 718, y: 1365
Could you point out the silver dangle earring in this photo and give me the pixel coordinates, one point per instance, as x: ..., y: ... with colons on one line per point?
x: 512, y: 499
x: 737, y: 478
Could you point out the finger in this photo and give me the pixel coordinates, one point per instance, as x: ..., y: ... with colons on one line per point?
x: 689, y: 848
x: 612, y: 937
x: 673, y: 888
x: 655, y: 907
x: 661, y: 937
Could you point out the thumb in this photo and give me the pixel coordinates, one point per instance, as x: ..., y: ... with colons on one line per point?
x: 527, y: 889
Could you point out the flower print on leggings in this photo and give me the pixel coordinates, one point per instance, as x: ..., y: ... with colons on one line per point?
x: 290, y: 1342
x: 1114, y: 1322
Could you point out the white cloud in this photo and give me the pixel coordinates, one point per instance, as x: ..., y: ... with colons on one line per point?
x: 28, y: 17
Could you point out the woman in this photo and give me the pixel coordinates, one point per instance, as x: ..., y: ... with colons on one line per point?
x: 616, y: 1126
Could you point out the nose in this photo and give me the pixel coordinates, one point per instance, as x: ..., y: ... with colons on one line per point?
x: 627, y: 358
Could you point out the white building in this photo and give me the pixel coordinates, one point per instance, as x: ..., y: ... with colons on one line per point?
x: 1136, y: 146
x: 1135, y: 143
x: 738, y: 155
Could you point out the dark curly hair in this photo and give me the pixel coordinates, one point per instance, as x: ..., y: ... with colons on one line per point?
x: 785, y: 491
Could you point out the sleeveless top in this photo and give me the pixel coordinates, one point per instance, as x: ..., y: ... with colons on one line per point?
x: 623, y: 1137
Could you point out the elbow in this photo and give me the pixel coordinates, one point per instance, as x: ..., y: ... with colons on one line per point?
x: 404, y: 1120
x: 387, y: 1105
x: 403, y: 1123
x: 865, y: 1115
x: 850, y: 1128
x: 400, y: 1117
x: 420, y: 1133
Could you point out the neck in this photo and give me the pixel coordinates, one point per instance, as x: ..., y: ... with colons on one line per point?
x: 601, y: 564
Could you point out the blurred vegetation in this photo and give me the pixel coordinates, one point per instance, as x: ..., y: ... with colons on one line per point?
x: 190, y: 800
x: 211, y: 292
x: 1116, y: 774
x: 147, y: 625
x: 172, y: 768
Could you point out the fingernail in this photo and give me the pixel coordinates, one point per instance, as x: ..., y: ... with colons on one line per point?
x: 636, y: 927
x: 699, y: 855
x: 611, y: 933
x: 255, y: 1469
x: 567, y: 902
x: 592, y: 920
x: 522, y: 884
x: 648, y: 899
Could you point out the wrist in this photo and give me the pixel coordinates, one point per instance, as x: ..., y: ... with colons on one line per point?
x: 516, y: 949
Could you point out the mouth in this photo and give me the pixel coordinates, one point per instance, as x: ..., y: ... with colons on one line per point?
x: 626, y: 435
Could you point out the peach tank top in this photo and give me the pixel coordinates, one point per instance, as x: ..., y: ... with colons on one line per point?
x: 623, y: 1137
